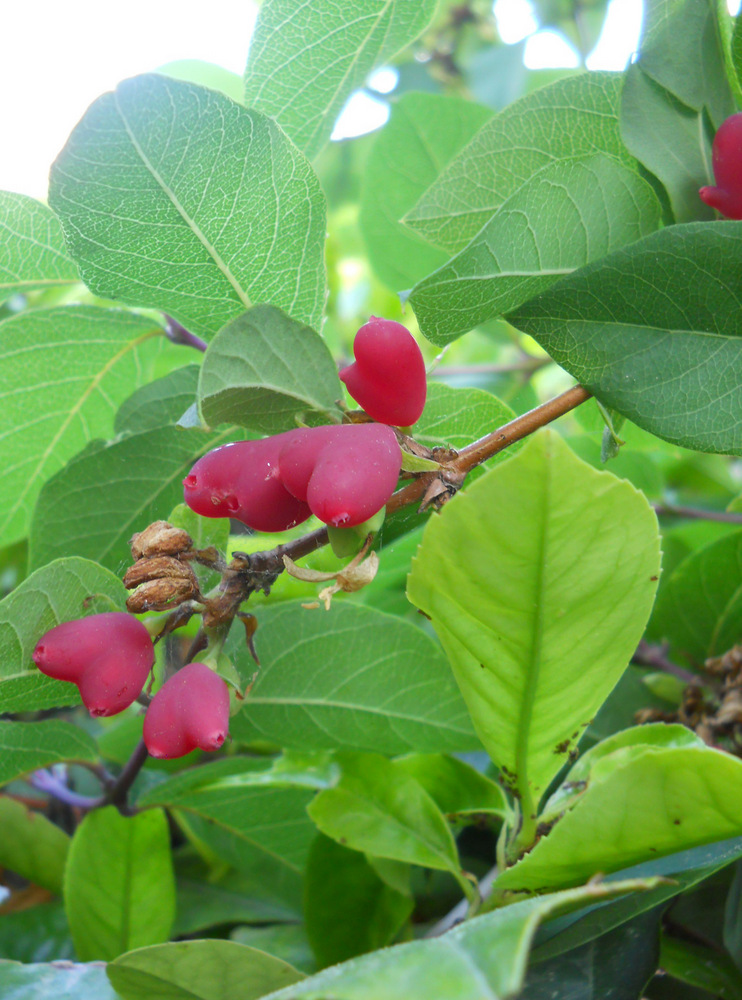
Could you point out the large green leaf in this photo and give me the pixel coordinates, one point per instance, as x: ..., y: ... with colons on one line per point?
x: 54, y: 981
x: 306, y: 59
x: 158, y: 403
x: 264, y: 820
x: 350, y: 677
x: 119, y: 888
x: 102, y: 496
x: 263, y: 370
x: 700, y: 607
x: 38, y: 934
x: 25, y: 746
x: 659, y: 802
x: 32, y: 846
x: 199, y: 970
x: 173, y: 196
x: 539, y: 580
x: 482, y: 958
x: 63, y: 590
x: 565, y: 215
x: 577, y: 116
x: 380, y: 809
x: 670, y: 140
x: 32, y: 251
x: 655, y: 331
x: 424, y: 132
x: 65, y: 372
x: 681, y: 51
x: 455, y: 787
x: 341, y: 923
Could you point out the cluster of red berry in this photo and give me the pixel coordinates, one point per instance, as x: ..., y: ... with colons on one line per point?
x: 726, y: 197
x: 344, y: 474
x: 109, y: 657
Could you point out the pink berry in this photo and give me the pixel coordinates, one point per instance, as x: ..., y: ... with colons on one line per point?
x: 726, y: 197
x: 107, y: 656
x: 346, y: 472
x: 242, y: 481
x: 189, y: 712
x: 388, y: 376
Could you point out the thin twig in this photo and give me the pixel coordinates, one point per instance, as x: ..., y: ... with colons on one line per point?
x: 527, y: 365
x: 696, y: 514
x: 178, y: 334
x: 649, y: 655
x: 459, y: 911
x: 118, y: 793
x: 46, y: 782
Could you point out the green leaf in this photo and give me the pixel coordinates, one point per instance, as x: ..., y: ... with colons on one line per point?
x: 102, y: 496
x: 455, y: 787
x: 158, y: 403
x: 66, y: 370
x: 424, y: 132
x: 33, y: 256
x: 119, y: 887
x: 577, y: 116
x: 205, y: 74
x: 173, y: 196
x: 54, y: 981
x: 700, y: 605
x: 348, y: 910
x: 737, y: 48
x: 26, y: 746
x: 490, y: 573
x: 483, y: 957
x: 377, y: 807
x: 61, y: 591
x: 199, y: 970
x: 285, y: 941
x: 306, y: 59
x: 456, y: 417
x: 652, y: 325
x: 566, y: 214
x: 268, y: 830
x: 263, y: 370
x: 681, y: 51
x: 38, y: 934
x: 661, y: 801
x: 349, y: 677
x: 700, y: 965
x: 670, y: 140
x: 31, y: 846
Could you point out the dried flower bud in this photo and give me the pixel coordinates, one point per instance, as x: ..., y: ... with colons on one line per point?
x: 161, y: 595
x: 160, y: 539
x: 158, y: 568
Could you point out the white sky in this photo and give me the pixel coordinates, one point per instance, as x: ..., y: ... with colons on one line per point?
x: 59, y: 56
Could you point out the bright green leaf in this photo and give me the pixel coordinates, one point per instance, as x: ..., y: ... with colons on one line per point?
x: 285, y: 941
x: 158, y: 403
x: 119, y: 887
x: 199, y: 970
x: 378, y: 808
x: 26, y: 746
x: 59, y: 592
x: 662, y: 801
x: 577, y: 116
x: 205, y: 74
x: 173, y: 196
x: 535, y: 659
x: 263, y: 370
x: 655, y: 331
x: 424, y: 132
x: 565, y: 215
x: 62, y: 981
x: 32, y: 251
x: 349, y: 677
x: 105, y: 494
x: 700, y: 605
x: 32, y: 846
x: 306, y: 59
x: 455, y: 787
x: 348, y: 910
x: 482, y: 958
x: 65, y: 371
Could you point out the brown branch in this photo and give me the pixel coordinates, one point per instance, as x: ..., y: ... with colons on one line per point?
x: 648, y: 655
x: 118, y: 793
x: 696, y: 514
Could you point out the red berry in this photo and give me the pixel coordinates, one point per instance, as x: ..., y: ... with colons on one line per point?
x: 242, y: 481
x: 108, y: 656
x: 388, y: 376
x: 726, y: 197
x: 347, y: 472
x: 189, y: 712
